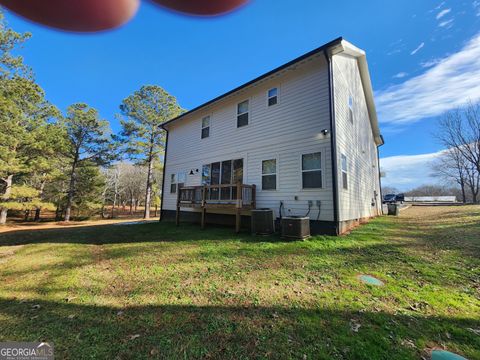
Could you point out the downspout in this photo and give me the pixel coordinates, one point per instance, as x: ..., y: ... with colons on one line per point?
x: 333, y: 144
x: 380, y: 173
x: 163, y: 175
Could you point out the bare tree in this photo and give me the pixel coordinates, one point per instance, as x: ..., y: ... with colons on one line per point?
x: 389, y: 190
x: 460, y: 129
x: 459, y: 132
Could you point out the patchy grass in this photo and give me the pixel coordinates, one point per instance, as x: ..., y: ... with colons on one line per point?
x: 158, y: 291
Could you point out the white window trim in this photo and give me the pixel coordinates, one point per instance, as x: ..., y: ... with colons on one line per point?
x: 300, y: 167
x: 209, y: 126
x: 249, y: 112
x: 276, y: 158
x: 269, y: 97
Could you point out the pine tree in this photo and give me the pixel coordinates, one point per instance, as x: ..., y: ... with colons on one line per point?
x: 145, y: 110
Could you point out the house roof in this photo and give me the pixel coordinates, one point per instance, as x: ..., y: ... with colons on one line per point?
x: 334, y: 47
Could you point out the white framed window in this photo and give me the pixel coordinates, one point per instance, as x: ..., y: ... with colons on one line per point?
x: 173, y: 183
x: 181, y: 179
x: 272, y: 96
x: 206, y: 127
x: 350, y: 108
x: 269, y: 174
x: 344, y: 171
x: 312, y: 171
x: 242, y: 113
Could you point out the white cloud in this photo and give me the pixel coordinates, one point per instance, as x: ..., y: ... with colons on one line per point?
x: 400, y: 75
x: 447, y: 85
x: 406, y: 172
x: 430, y: 63
x: 443, y: 13
x: 446, y: 24
x: 418, y: 48
x: 476, y: 6
x: 440, y: 5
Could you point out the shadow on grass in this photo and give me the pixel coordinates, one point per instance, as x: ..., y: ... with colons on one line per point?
x: 210, y: 332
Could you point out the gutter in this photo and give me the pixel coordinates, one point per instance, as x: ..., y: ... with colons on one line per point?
x: 163, y: 175
x: 333, y: 144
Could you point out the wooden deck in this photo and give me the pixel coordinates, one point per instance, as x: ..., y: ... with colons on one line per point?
x: 236, y: 197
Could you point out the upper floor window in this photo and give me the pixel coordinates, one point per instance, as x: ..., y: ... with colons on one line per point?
x: 272, y: 96
x: 269, y: 174
x: 350, y: 108
x: 242, y: 114
x: 344, y: 172
x: 312, y: 170
x: 205, y: 127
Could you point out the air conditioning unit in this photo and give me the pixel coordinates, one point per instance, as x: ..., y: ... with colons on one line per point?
x: 296, y: 227
x: 262, y: 222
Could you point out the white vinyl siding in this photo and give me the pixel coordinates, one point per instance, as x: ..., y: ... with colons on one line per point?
x: 284, y: 132
x: 355, y: 142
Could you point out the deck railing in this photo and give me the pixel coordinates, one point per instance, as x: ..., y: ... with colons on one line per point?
x: 236, y: 195
x: 226, y: 196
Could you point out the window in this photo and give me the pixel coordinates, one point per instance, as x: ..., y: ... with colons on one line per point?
x: 226, y: 178
x: 205, y: 127
x: 272, y: 96
x: 242, y: 114
x: 181, y: 179
x: 173, y: 184
x: 344, y: 172
x: 269, y: 174
x: 224, y: 173
x: 350, y: 108
x: 312, y: 170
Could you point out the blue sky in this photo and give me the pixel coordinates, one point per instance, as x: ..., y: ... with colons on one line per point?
x: 424, y: 59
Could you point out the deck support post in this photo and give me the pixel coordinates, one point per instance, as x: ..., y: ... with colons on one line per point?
x: 177, y: 215
x: 238, y: 212
x: 204, y: 208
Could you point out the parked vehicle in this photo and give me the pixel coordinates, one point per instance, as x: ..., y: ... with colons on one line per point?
x: 400, y: 198
x: 389, y: 198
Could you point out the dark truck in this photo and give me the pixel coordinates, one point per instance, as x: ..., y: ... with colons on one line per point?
x: 393, y: 198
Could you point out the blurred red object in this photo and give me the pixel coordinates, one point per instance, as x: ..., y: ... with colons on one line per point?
x: 202, y: 7
x: 97, y: 15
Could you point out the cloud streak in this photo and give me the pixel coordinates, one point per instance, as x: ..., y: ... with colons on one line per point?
x: 443, y: 13
x: 406, y: 172
x: 450, y: 83
x: 420, y: 47
x: 400, y: 75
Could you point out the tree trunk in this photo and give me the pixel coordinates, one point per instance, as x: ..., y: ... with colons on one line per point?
x: 148, y: 192
x: 37, y: 215
x: 8, y: 191
x: 27, y: 215
x: 156, y: 208
x: 464, y: 195
x: 37, y: 210
x: 71, y: 191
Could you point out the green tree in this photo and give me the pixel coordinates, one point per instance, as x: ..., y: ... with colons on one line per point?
x: 28, y: 137
x: 145, y: 110
x: 89, y: 143
x: 11, y: 65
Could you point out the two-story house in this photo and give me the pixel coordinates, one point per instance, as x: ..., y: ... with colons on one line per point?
x: 302, y: 140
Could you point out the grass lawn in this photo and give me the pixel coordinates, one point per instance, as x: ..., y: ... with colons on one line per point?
x: 158, y: 291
